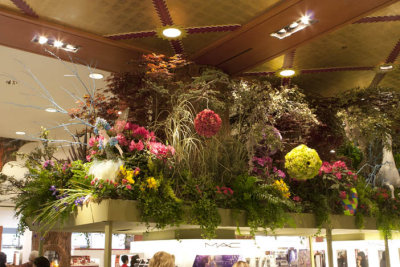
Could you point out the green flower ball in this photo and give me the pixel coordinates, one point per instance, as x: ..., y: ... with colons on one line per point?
x: 302, y: 163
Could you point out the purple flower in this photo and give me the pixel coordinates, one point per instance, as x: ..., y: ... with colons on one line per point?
x: 52, y: 188
x: 280, y: 173
x: 48, y: 163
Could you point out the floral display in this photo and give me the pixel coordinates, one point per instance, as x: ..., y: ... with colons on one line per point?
x: 265, y: 163
x: 302, y: 163
x: 207, y: 123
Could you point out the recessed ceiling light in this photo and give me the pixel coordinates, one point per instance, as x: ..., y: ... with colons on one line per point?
x: 58, y: 43
x: 287, y: 73
x: 70, y: 47
x: 96, y: 76
x: 293, y: 25
x: 51, y: 110
x: 332, y: 151
x: 42, y: 40
x: 298, y: 25
x: 119, y: 112
x: 20, y: 133
x: 282, y: 31
x: 172, y: 32
x: 386, y: 67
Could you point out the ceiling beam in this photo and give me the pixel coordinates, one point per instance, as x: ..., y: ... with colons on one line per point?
x: 17, y: 31
x: 252, y: 44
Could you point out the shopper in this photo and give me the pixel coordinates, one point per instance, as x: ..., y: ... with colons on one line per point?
x: 162, y: 259
x: 41, y: 262
x: 3, y: 259
x: 134, y: 260
x: 240, y: 264
x: 34, y: 254
x: 125, y: 260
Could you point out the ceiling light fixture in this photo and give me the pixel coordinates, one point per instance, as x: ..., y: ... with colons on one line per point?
x: 287, y: 73
x: 20, y: 133
x: 43, y: 40
x: 96, y: 76
x: 172, y: 32
x: 386, y: 67
x: 293, y: 27
x: 51, y: 110
x: 58, y: 44
x: 332, y: 151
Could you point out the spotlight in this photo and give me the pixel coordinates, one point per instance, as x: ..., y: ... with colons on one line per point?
x: 386, y: 67
x: 58, y: 44
x: 287, y: 73
x: 171, y: 32
x: 293, y: 27
x: 52, y: 110
x: 96, y: 76
x: 119, y: 112
x: 332, y: 151
x: 42, y: 40
x: 20, y: 133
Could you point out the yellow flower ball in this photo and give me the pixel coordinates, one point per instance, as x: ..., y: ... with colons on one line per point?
x: 302, y: 163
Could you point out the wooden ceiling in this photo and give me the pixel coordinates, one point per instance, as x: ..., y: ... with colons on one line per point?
x: 341, y: 50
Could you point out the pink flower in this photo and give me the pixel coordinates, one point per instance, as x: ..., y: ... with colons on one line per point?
x: 92, y: 141
x: 339, y: 164
x: 152, y: 137
x: 280, y: 173
x: 124, y: 181
x: 136, y: 146
x: 343, y: 194
x: 129, y: 187
x: 171, y: 150
x: 296, y: 198
x: 100, y: 186
x: 119, y: 126
x: 325, y: 168
x: 122, y: 139
x: 350, y: 173
x: 141, y: 133
x: 92, y: 182
x: 207, y: 123
x: 160, y: 150
x: 338, y: 175
x: 88, y: 157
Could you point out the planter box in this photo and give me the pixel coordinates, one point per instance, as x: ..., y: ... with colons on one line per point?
x: 125, y: 218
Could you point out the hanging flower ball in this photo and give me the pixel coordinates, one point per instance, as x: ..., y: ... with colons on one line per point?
x: 302, y: 163
x: 207, y: 123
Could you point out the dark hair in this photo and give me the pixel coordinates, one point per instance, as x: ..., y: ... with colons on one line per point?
x: 3, y: 259
x: 134, y: 260
x: 363, y: 262
x: 124, y: 258
x: 41, y: 262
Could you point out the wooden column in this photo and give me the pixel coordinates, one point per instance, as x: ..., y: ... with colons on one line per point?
x: 54, y: 241
x: 310, y: 242
x: 1, y: 234
x: 387, y: 256
x: 107, y: 244
x: 329, y: 246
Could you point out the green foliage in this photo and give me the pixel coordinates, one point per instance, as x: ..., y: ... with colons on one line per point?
x: 204, y: 212
x: 352, y: 152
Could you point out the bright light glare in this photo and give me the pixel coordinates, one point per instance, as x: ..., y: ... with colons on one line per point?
x: 294, y: 25
x: 287, y: 73
x: 119, y: 112
x: 51, y: 110
x: 332, y: 151
x: 282, y: 31
x: 96, y: 76
x: 42, y: 40
x: 70, y: 47
x: 386, y: 67
x: 171, y: 32
x: 20, y: 133
x: 305, y: 19
x: 58, y: 43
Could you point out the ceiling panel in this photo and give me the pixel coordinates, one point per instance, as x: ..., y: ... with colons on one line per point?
x: 366, y: 44
x: 271, y: 65
x: 196, y: 13
x: 392, y: 80
x: 388, y: 11
x: 331, y: 83
x: 101, y: 17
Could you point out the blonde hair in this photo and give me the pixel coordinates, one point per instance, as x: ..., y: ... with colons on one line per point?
x: 162, y: 259
x: 240, y: 264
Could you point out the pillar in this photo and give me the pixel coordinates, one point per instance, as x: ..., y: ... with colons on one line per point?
x: 310, y: 242
x: 387, y: 256
x: 329, y: 246
x: 107, y: 244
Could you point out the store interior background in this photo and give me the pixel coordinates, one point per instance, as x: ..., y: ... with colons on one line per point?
x: 346, y: 57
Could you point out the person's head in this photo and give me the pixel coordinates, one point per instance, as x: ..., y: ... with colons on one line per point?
x: 240, y: 264
x: 124, y: 259
x: 361, y: 255
x: 3, y: 259
x: 162, y: 259
x: 134, y: 259
x: 41, y: 262
x: 34, y: 254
